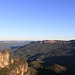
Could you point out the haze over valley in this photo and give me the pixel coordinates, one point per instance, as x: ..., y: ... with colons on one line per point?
x: 12, y: 44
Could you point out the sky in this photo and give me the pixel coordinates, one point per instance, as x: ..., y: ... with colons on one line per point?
x: 37, y: 19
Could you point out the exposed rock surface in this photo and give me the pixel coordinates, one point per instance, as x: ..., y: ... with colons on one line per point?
x: 12, y: 66
x: 54, y: 41
x: 19, y: 68
x: 4, y: 58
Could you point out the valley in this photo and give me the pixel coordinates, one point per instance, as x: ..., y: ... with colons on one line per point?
x: 12, y: 44
x: 47, y: 57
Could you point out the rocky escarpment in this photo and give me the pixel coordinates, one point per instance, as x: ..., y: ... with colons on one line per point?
x: 54, y: 41
x: 12, y: 66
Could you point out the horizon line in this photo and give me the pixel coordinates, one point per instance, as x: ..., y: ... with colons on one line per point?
x: 38, y: 40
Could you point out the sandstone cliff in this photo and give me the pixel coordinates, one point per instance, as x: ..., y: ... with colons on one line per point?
x: 54, y: 41
x: 4, y: 58
x: 12, y: 66
x: 19, y: 67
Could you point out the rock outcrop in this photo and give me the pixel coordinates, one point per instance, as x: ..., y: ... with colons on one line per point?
x: 19, y: 67
x: 4, y: 58
x: 12, y: 66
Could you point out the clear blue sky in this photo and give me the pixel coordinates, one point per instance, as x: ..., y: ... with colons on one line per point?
x: 37, y: 19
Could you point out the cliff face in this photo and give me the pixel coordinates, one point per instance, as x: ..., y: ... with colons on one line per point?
x: 19, y: 67
x: 4, y: 59
x: 54, y: 41
x: 13, y: 66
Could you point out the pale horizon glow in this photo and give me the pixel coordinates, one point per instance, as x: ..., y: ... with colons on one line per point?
x: 33, y: 39
x: 37, y: 19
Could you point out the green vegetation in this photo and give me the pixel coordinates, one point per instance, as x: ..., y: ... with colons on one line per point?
x: 42, y: 58
x: 33, y: 71
x: 37, y: 51
x: 56, y: 53
x: 36, y: 64
x: 4, y: 71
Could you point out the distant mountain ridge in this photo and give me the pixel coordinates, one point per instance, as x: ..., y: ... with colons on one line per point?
x: 14, y: 41
x: 12, y: 44
x: 44, y: 41
x: 54, y: 41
